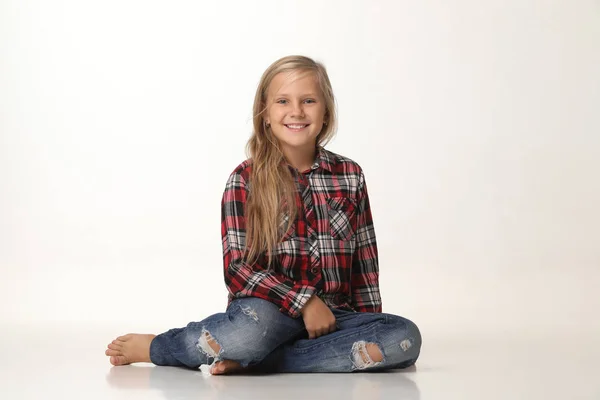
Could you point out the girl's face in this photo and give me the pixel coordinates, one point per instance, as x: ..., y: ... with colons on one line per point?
x: 295, y: 110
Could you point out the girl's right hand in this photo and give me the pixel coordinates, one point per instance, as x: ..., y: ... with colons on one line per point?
x: 318, y: 318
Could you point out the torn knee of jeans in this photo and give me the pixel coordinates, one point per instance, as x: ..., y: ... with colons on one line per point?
x: 362, y: 358
x: 250, y: 312
x: 208, y: 345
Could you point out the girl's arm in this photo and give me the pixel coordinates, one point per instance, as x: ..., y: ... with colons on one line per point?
x: 365, y: 264
x: 242, y: 279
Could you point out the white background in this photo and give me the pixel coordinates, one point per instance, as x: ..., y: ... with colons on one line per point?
x: 477, y: 125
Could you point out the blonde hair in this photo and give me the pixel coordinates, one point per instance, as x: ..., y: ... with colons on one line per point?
x: 273, y: 188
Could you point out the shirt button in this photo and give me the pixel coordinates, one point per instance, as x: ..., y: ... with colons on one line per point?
x: 314, y: 270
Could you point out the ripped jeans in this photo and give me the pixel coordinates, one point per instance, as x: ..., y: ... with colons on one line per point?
x: 256, y: 334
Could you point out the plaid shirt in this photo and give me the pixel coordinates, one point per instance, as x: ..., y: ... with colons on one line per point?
x: 329, y: 251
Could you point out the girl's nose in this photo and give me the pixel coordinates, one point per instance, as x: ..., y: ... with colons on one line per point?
x: 298, y: 110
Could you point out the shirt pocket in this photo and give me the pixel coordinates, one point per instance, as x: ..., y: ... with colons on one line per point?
x: 342, y: 217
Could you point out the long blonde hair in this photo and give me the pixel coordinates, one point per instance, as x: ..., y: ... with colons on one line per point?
x: 273, y: 188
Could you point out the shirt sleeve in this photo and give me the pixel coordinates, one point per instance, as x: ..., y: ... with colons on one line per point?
x: 365, y: 265
x: 242, y: 279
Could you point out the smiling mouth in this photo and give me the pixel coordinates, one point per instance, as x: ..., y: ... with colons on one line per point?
x: 296, y: 127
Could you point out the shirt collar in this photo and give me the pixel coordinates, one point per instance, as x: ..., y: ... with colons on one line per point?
x: 323, y: 160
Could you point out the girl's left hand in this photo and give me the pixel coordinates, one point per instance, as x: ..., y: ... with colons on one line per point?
x: 318, y: 318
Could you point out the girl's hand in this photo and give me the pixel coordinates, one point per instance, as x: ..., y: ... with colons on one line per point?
x: 318, y: 318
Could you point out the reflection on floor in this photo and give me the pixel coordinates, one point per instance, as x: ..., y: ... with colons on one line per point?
x: 42, y: 362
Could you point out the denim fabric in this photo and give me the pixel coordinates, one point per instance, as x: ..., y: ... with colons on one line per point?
x: 256, y: 334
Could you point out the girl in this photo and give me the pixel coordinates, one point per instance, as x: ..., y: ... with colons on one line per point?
x: 299, y: 250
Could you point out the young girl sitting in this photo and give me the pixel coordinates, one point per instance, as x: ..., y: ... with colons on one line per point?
x: 299, y: 251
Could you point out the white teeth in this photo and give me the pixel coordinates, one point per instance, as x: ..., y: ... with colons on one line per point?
x: 296, y: 126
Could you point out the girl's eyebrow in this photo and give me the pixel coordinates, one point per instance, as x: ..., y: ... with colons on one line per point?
x: 304, y: 95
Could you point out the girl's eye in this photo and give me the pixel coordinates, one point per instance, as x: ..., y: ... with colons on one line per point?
x: 284, y: 101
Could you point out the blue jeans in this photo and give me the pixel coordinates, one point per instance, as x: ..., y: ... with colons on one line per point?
x: 256, y: 334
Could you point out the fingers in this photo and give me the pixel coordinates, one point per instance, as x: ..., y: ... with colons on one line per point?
x: 315, y: 333
x: 333, y: 327
x: 318, y: 318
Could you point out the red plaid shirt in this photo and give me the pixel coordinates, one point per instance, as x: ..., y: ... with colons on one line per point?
x: 330, y: 250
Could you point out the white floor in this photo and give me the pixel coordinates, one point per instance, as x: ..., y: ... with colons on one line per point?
x: 46, y: 363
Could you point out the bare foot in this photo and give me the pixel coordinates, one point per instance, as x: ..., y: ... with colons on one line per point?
x: 131, y: 348
x: 225, y: 367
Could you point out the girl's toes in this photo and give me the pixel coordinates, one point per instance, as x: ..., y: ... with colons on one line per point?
x: 118, y: 360
x: 114, y: 346
x: 225, y: 367
x: 110, y: 352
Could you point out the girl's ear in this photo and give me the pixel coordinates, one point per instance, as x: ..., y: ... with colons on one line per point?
x: 265, y: 113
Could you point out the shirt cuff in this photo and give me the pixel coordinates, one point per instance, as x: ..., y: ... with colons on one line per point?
x: 296, y: 300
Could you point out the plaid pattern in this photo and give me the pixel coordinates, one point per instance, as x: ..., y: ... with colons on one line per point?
x: 330, y: 250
